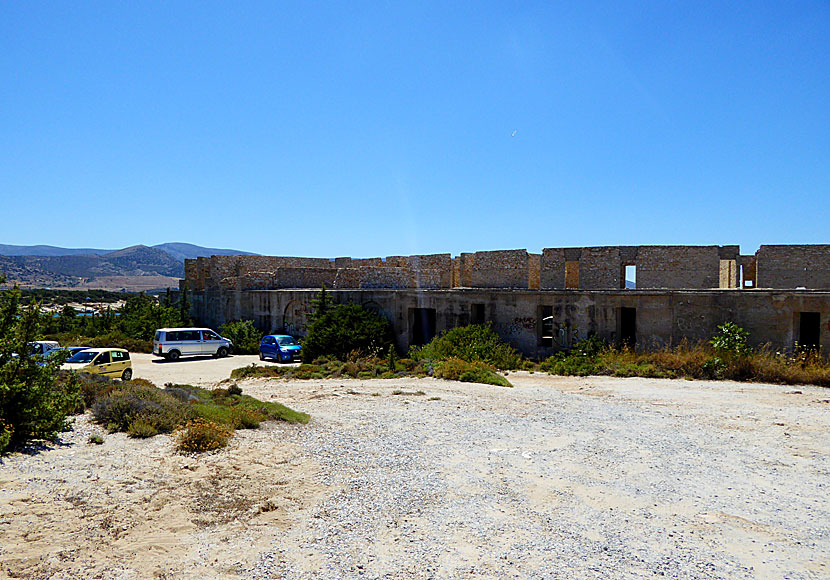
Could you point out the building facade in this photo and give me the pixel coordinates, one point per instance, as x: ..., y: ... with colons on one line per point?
x: 539, y: 303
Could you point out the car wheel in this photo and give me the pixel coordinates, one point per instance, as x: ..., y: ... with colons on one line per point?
x: 127, y: 374
x: 261, y: 356
x: 173, y: 355
x: 222, y: 352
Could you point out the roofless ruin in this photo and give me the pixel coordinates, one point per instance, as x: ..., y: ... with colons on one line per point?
x: 539, y: 303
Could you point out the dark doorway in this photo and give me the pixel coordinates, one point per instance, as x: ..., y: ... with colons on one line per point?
x: 423, y: 325
x: 628, y: 327
x: 810, y: 330
x: 476, y: 313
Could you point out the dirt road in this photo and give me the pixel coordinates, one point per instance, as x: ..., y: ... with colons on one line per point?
x: 555, y: 478
x: 189, y: 370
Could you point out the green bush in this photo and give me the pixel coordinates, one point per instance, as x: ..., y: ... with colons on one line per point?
x: 122, y: 407
x: 346, y: 328
x: 455, y: 369
x: 33, y: 403
x: 470, y: 343
x: 244, y: 335
x: 731, y: 341
x: 201, y: 435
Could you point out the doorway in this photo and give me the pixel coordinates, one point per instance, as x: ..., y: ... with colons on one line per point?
x: 809, y: 334
x: 422, y: 323
x: 628, y: 327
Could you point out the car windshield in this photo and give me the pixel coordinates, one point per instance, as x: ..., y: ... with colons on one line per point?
x: 286, y: 341
x: 84, y: 356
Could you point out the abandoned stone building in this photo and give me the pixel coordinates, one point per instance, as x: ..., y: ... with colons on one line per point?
x: 539, y: 303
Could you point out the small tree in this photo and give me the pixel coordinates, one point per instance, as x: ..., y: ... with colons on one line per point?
x: 184, y: 306
x: 243, y: 334
x: 731, y: 341
x: 320, y: 303
x: 345, y: 328
x: 33, y: 405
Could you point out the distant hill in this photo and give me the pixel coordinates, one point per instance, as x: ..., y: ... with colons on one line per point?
x: 178, y: 250
x: 82, y: 270
x: 181, y: 250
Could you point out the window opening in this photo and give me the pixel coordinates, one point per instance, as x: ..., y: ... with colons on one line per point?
x: 629, y: 276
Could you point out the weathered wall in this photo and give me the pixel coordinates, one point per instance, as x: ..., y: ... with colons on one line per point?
x: 806, y: 266
x: 678, y: 267
x: 553, y: 268
x: 600, y: 268
x: 662, y: 317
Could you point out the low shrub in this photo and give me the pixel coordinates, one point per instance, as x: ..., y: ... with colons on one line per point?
x: 201, y: 435
x: 455, y: 369
x: 474, y: 343
x: 121, y: 407
x: 141, y: 428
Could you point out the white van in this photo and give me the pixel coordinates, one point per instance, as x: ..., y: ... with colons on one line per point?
x: 172, y: 343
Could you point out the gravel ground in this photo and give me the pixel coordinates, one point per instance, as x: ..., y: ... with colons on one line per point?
x: 556, y: 478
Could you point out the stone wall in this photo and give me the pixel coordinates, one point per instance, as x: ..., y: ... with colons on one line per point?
x: 588, y: 268
x: 793, y: 267
x: 496, y: 269
x: 678, y: 267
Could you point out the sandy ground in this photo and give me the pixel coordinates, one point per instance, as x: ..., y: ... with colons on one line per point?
x: 405, y: 478
x: 190, y: 370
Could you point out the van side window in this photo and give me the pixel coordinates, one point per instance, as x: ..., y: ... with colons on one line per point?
x: 103, y: 358
x: 208, y: 335
x: 118, y: 356
x: 189, y: 335
x: 173, y: 336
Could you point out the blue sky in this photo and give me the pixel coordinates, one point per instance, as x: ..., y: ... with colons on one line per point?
x: 385, y: 128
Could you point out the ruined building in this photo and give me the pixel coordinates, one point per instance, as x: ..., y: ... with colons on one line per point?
x: 539, y: 303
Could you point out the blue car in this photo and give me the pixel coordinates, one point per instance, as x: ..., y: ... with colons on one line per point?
x: 280, y: 347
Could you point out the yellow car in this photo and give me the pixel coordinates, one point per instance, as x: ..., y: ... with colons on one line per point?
x: 110, y: 362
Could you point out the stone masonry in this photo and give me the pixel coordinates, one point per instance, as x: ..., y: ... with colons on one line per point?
x: 539, y: 302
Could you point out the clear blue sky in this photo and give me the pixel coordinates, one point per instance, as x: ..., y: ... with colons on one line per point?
x: 383, y: 128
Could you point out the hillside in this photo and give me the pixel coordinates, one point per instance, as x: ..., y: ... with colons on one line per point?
x: 125, y: 268
x: 178, y: 250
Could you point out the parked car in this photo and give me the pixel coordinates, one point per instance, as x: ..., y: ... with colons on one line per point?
x: 280, y: 347
x: 173, y: 343
x: 42, y: 348
x: 110, y: 362
x: 66, y: 351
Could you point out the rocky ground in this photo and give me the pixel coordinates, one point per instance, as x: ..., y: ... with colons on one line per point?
x: 420, y: 478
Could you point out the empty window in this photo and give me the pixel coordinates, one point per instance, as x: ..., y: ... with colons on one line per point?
x: 629, y: 277
x: 572, y: 275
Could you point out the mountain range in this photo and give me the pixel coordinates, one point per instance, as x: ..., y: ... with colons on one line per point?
x: 134, y: 268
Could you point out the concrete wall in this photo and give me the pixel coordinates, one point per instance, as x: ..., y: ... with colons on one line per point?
x: 662, y: 317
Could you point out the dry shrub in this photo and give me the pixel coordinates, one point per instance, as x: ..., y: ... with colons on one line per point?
x: 201, y: 435
x: 244, y: 418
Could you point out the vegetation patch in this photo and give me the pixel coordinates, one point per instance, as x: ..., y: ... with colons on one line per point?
x: 337, y: 331
x: 473, y: 343
x: 201, y: 435
x: 726, y: 356
x: 455, y: 369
